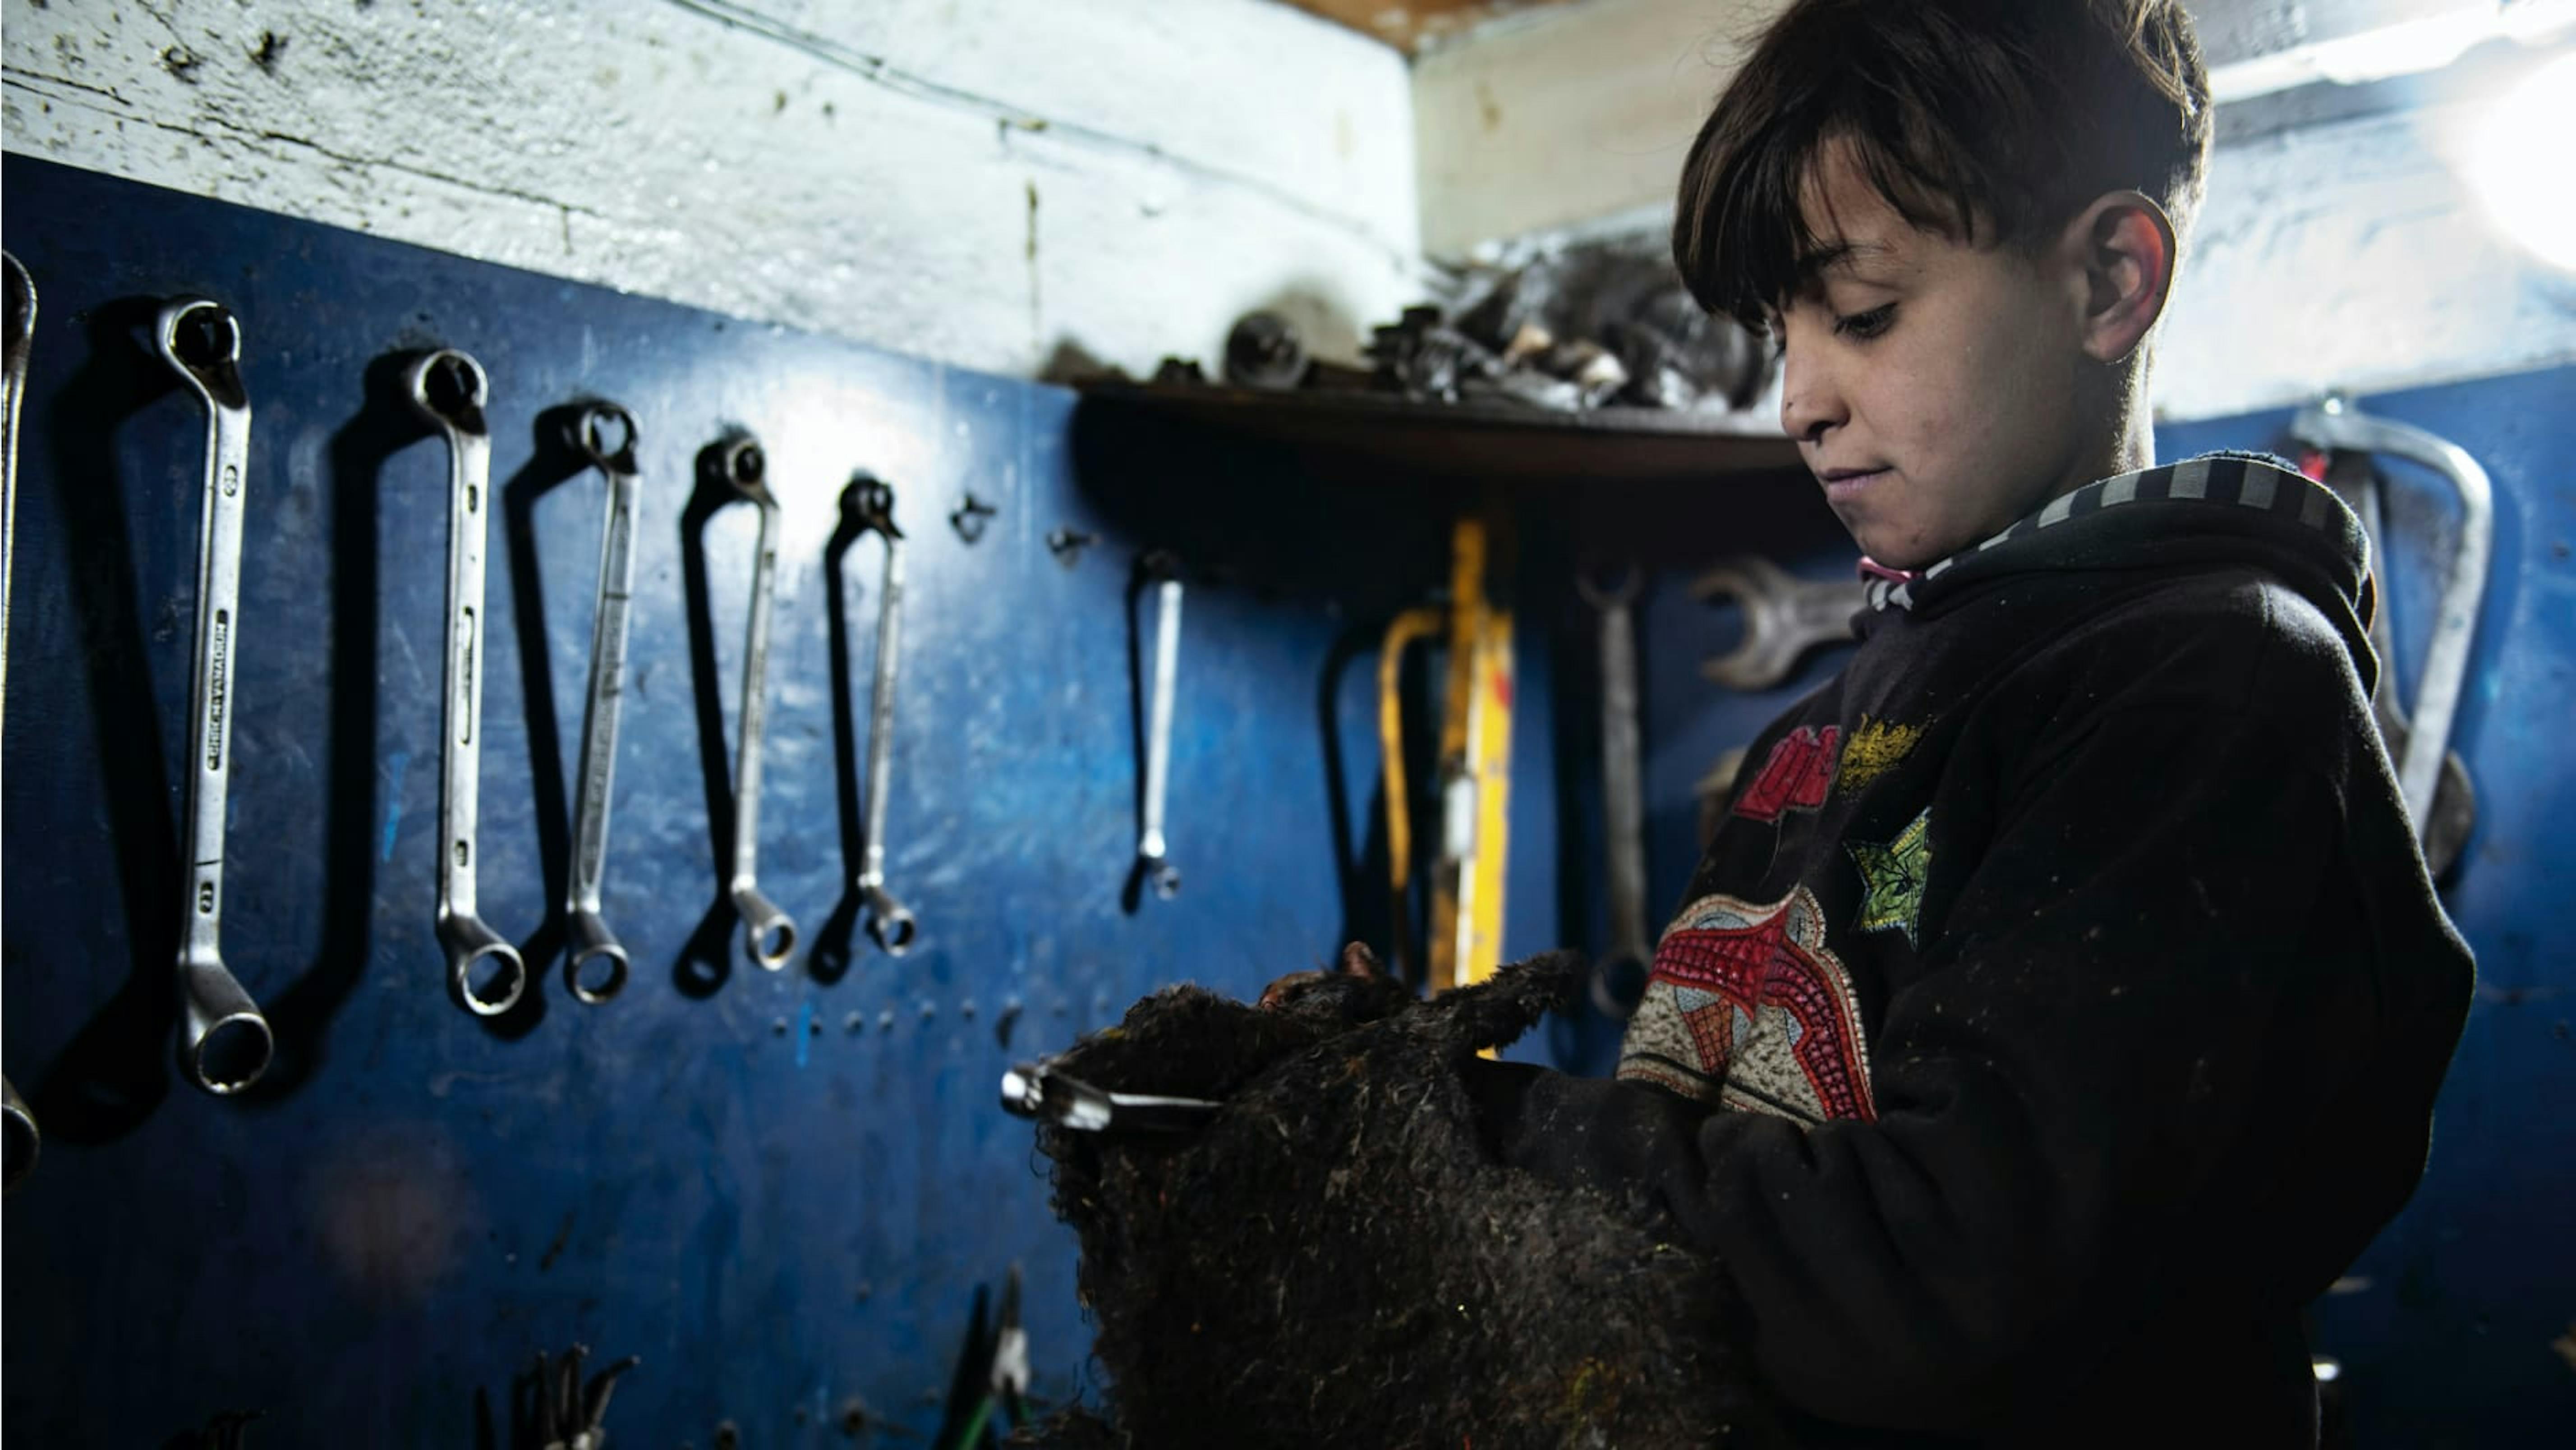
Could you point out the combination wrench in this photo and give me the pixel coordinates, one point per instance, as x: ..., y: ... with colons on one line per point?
x: 1784, y: 617
x: 228, y: 1042
x: 448, y: 389
x: 768, y: 933
x: 867, y: 506
x: 1152, y: 850
x: 20, y: 1120
x: 604, y: 433
x: 1619, y: 978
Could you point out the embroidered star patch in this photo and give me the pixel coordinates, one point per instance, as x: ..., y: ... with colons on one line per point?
x: 1874, y: 749
x: 1892, y: 876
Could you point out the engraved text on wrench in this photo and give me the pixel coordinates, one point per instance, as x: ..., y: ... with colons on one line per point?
x: 228, y: 1043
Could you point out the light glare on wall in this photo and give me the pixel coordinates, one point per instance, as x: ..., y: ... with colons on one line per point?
x: 2518, y: 162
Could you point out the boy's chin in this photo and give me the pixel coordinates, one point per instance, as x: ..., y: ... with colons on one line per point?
x: 1883, y: 545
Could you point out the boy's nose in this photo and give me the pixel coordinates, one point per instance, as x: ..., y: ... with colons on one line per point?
x: 1809, y: 403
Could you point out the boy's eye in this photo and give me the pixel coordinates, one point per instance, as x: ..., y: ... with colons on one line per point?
x: 1865, y: 325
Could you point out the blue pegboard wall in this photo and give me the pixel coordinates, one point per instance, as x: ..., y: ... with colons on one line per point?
x: 782, y: 1190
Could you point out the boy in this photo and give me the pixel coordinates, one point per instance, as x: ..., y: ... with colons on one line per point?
x: 2061, y: 1005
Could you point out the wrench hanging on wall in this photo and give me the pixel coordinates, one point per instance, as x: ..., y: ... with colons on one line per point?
x: 1420, y: 623
x: 1475, y: 753
x: 228, y: 1043
x: 448, y: 389
x: 768, y: 933
x: 867, y: 507
x: 605, y: 434
x: 16, y: 1118
x: 1784, y: 617
x: 2335, y: 424
x: 1619, y: 979
x: 1152, y: 849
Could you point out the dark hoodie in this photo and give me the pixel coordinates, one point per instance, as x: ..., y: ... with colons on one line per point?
x: 2060, y: 1006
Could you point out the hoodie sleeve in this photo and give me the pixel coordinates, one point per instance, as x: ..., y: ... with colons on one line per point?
x: 2122, y: 1050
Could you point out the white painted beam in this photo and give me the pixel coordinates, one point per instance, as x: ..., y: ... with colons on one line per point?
x: 986, y: 182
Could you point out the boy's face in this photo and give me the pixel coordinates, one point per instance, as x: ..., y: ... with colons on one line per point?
x: 1932, y: 387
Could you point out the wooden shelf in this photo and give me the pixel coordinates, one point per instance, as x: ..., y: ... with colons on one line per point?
x: 1486, y: 441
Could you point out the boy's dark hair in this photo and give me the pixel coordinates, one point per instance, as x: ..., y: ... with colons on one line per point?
x: 1984, y: 120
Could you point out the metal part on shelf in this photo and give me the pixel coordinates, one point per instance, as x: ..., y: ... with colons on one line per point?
x: 768, y: 934
x: 605, y: 434
x: 227, y: 1043
x: 867, y: 506
x: 449, y: 389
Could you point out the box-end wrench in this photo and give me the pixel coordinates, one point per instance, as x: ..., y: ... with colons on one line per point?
x: 1152, y: 849
x: 1619, y: 979
x: 605, y: 434
x: 448, y: 389
x: 867, y: 506
x: 1784, y: 617
x: 768, y: 933
x: 16, y: 1117
x: 228, y: 1043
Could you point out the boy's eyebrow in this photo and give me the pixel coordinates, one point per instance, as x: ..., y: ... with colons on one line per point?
x: 1841, y: 254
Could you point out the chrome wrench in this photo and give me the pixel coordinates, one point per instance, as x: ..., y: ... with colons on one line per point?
x: 2337, y: 424
x: 1151, y: 847
x: 1784, y: 617
x: 868, y: 505
x: 1619, y: 977
x: 605, y: 434
x: 228, y: 1042
x: 19, y: 1119
x: 768, y: 933
x: 448, y: 389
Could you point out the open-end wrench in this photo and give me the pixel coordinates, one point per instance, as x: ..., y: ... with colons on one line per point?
x: 16, y: 1117
x: 228, y: 1043
x: 1619, y: 978
x: 768, y: 933
x: 1152, y: 850
x: 605, y: 434
x: 448, y: 389
x: 867, y: 505
x: 2336, y: 424
x: 1784, y: 617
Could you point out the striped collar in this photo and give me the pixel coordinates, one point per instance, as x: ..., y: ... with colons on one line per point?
x: 2234, y: 481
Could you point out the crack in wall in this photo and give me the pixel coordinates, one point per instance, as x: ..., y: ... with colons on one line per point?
x: 36, y: 84
x: 880, y: 71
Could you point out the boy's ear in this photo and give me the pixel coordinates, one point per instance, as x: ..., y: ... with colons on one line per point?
x: 2124, y: 244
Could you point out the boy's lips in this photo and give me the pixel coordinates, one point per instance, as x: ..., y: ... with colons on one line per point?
x: 1846, y: 483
